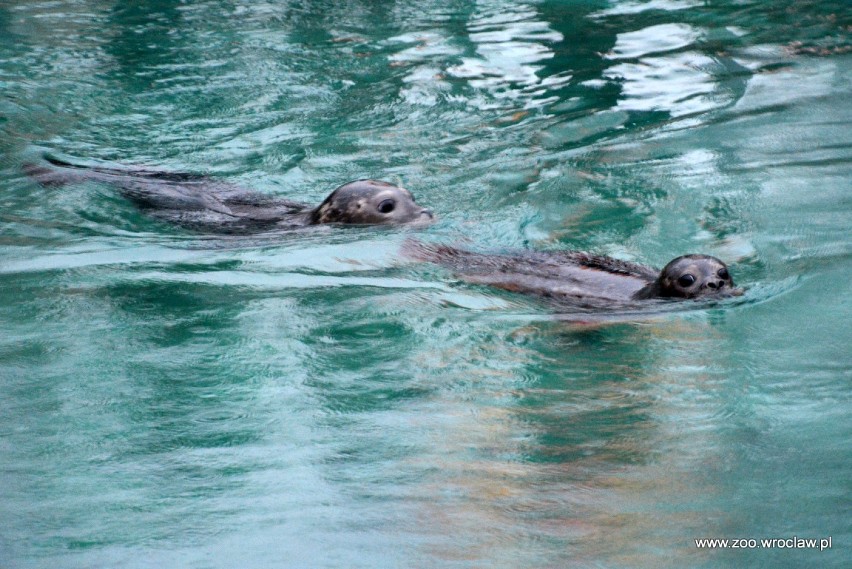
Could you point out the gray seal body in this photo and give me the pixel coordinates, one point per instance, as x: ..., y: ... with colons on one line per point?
x: 206, y: 204
x: 584, y: 280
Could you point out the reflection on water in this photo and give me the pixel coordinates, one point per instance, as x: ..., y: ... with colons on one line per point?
x: 509, y: 44
x: 680, y: 84
x: 319, y: 400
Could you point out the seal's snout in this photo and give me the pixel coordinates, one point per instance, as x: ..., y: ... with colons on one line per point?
x: 427, y: 213
x: 716, y: 285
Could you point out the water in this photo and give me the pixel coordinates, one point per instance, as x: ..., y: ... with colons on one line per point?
x: 172, y: 400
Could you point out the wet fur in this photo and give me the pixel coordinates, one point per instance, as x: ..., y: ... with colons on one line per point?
x: 572, y: 278
x: 205, y: 204
x: 191, y: 200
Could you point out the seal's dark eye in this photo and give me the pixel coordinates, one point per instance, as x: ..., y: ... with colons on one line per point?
x: 723, y: 273
x: 386, y: 206
x: 686, y: 281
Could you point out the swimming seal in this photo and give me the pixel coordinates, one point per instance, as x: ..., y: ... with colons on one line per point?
x: 584, y: 280
x: 206, y: 204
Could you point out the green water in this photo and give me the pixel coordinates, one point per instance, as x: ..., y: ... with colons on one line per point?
x: 175, y: 400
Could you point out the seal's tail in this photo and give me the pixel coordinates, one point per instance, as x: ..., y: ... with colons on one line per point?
x: 50, y: 177
x: 459, y: 260
x: 420, y: 251
x: 64, y: 174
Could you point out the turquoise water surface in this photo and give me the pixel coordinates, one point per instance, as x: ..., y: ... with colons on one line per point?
x: 316, y: 399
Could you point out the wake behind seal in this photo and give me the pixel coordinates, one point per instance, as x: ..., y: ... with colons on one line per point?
x: 209, y: 205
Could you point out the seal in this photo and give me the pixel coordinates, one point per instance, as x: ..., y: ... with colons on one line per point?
x: 581, y: 279
x: 205, y: 204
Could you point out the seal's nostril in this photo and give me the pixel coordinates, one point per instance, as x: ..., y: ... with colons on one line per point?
x: 711, y: 284
x: 427, y: 212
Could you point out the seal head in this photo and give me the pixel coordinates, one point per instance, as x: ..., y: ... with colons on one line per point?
x: 371, y: 202
x: 692, y: 276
